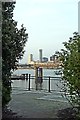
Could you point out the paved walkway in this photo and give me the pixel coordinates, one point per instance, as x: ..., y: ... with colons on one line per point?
x: 36, y: 104
x: 0, y: 105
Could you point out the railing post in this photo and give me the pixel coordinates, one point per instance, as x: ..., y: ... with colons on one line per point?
x: 49, y: 83
x: 29, y: 83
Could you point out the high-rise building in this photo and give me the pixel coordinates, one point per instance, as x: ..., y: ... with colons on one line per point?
x: 40, y: 55
x: 79, y: 17
x: 30, y: 58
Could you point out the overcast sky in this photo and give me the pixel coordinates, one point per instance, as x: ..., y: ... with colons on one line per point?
x: 48, y: 24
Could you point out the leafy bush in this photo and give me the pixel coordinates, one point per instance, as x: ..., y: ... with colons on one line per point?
x: 70, y: 57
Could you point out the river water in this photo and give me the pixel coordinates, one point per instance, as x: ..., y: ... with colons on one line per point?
x: 55, y: 83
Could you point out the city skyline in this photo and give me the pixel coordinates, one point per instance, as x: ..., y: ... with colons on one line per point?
x: 41, y: 57
x: 48, y: 23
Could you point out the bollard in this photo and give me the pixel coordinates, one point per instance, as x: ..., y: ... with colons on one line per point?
x: 49, y: 84
x: 29, y: 83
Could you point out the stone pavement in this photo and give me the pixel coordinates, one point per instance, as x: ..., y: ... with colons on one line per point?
x: 36, y: 104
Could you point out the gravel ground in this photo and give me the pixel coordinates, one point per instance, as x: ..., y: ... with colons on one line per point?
x: 26, y: 105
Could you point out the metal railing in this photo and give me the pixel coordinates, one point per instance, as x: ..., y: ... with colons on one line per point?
x: 48, y: 79
x: 43, y: 81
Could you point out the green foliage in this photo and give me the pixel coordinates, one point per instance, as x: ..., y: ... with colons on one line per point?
x: 70, y: 56
x: 13, y: 42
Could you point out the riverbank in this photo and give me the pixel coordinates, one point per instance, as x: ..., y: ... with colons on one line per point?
x: 28, y: 104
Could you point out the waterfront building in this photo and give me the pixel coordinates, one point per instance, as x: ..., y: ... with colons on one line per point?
x: 44, y: 59
x: 40, y: 55
x: 79, y: 17
x: 52, y: 58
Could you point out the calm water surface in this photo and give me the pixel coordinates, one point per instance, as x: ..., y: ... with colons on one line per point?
x: 55, y: 84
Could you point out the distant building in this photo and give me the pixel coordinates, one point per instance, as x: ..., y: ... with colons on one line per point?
x: 79, y: 17
x: 44, y: 59
x: 40, y: 55
x: 52, y: 58
x: 30, y: 58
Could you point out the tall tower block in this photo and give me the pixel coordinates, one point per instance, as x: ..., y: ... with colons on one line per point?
x: 40, y: 55
x: 30, y: 58
x: 79, y: 17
